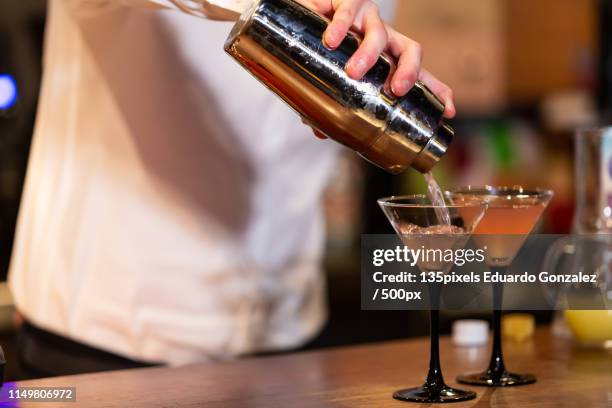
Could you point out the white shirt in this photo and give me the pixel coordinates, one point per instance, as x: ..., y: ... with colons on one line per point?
x: 171, y: 211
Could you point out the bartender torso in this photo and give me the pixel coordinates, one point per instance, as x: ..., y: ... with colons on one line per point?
x: 171, y: 209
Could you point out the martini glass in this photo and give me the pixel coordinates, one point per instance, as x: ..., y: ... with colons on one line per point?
x: 417, y: 223
x: 510, y: 217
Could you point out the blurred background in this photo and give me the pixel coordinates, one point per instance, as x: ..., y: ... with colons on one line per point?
x: 525, y: 75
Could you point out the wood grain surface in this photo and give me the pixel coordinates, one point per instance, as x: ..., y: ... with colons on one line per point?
x: 363, y: 376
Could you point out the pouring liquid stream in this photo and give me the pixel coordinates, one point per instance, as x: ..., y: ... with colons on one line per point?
x: 434, y: 193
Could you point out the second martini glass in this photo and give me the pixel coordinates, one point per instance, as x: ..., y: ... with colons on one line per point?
x: 418, y: 224
x: 511, y: 215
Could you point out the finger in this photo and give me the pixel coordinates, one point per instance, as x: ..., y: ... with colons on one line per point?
x: 341, y: 23
x: 324, y: 7
x: 373, y: 44
x: 409, y: 55
x: 315, y: 131
x: 319, y: 134
x: 441, y: 90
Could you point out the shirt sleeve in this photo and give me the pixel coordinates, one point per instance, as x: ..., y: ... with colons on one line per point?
x: 211, y: 9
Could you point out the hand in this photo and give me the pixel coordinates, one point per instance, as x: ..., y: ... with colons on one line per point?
x: 378, y: 37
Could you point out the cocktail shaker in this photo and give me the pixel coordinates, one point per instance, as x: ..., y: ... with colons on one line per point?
x: 280, y: 43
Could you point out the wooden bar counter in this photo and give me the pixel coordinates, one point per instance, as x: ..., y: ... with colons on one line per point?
x: 361, y: 376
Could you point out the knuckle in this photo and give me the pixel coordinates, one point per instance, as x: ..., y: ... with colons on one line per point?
x: 373, y: 8
x: 417, y: 48
x: 384, y: 35
x: 345, y: 15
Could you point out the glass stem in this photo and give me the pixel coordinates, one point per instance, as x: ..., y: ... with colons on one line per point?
x: 496, y: 365
x: 434, y: 376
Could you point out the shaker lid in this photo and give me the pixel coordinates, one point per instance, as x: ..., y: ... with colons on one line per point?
x: 434, y: 149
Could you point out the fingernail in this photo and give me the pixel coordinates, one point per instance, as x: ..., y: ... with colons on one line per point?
x: 326, y: 40
x: 400, y: 87
x: 358, y: 67
x: 329, y: 38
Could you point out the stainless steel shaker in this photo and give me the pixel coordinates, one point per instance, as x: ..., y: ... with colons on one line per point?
x: 280, y: 43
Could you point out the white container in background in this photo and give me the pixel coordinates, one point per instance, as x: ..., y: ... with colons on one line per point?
x: 470, y: 332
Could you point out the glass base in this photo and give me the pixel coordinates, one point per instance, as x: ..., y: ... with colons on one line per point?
x: 489, y: 380
x: 433, y: 394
